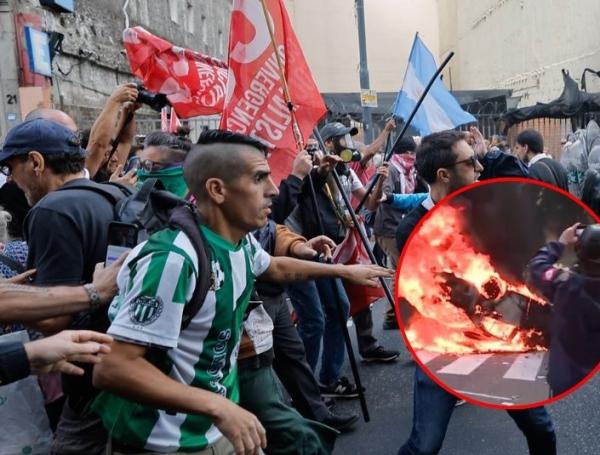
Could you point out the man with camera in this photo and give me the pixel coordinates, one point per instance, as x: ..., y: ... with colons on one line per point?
x: 575, y: 295
x: 316, y: 305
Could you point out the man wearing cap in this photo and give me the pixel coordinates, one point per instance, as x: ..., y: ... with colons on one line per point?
x: 335, y: 219
x: 66, y: 232
x: 575, y: 295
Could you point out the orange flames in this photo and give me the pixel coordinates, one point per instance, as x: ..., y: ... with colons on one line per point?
x: 440, y: 248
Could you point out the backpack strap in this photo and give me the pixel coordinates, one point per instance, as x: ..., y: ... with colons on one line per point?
x: 188, y: 220
x: 114, y: 192
x: 11, y: 263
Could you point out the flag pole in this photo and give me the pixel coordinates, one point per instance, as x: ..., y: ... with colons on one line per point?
x: 284, y: 84
x: 405, y: 127
x: 299, y: 142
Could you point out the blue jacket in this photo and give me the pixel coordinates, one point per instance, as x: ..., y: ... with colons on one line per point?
x: 575, y: 332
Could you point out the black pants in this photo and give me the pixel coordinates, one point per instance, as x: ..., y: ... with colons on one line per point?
x: 290, y: 361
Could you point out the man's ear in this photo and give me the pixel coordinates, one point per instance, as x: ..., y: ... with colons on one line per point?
x: 443, y: 175
x: 215, y: 188
x: 38, y: 163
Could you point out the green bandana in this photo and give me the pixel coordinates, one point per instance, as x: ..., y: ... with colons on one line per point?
x: 171, y: 178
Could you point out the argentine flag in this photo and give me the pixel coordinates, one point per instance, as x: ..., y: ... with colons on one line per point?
x: 439, y: 110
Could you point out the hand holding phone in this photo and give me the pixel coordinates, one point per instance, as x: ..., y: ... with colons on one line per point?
x: 121, y: 238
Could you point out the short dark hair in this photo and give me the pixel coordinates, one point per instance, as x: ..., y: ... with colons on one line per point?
x: 65, y: 163
x: 172, y: 147
x: 406, y: 144
x: 436, y: 152
x: 590, y: 194
x: 532, y: 139
x: 215, y: 155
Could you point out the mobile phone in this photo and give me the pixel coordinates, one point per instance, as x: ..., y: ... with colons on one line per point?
x: 121, y: 238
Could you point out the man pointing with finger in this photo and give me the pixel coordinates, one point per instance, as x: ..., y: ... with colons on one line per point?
x: 172, y: 389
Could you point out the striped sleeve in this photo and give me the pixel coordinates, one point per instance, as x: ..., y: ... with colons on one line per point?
x: 260, y: 258
x: 151, y: 302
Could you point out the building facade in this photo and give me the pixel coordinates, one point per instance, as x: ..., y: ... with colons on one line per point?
x: 90, y: 61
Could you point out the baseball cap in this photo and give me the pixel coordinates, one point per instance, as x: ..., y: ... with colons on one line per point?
x: 336, y: 129
x: 41, y: 135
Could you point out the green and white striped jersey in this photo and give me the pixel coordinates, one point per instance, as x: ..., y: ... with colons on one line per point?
x: 156, y: 281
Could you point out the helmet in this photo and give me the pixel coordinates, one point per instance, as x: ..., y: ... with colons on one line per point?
x: 587, y: 248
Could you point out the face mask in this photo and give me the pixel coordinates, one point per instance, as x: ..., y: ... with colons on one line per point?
x: 171, y: 178
x: 345, y: 148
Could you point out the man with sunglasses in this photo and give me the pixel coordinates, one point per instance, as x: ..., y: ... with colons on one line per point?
x: 162, y: 158
x: 447, y: 163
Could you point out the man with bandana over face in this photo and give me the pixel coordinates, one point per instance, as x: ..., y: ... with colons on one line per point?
x: 402, y: 179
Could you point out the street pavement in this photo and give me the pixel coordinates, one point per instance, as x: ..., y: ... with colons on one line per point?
x: 502, y: 378
x: 472, y: 430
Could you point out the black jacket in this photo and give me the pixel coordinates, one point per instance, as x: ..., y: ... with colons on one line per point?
x: 549, y: 171
x: 575, y: 345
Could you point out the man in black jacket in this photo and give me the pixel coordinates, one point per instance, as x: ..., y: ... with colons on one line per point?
x: 575, y: 295
x: 530, y: 148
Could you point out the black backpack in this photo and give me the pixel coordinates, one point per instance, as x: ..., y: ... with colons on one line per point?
x: 151, y: 208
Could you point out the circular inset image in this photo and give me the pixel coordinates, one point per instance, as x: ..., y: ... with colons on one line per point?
x: 498, y: 293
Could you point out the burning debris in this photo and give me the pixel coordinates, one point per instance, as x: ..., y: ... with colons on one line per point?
x: 461, y: 304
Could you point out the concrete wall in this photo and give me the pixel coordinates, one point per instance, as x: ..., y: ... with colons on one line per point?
x: 93, y: 61
x: 520, y: 44
x: 327, y: 31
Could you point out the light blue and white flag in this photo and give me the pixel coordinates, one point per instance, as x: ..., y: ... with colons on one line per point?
x: 439, y: 110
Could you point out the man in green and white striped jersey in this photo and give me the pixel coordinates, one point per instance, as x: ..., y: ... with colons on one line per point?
x: 170, y: 390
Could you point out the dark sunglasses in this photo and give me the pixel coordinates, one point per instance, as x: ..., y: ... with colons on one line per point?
x: 472, y: 160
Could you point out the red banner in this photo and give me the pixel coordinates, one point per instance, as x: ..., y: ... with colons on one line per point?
x: 194, y: 83
x: 255, y: 101
x: 352, y: 251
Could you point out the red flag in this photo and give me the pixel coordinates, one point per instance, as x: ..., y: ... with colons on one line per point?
x: 255, y: 101
x: 194, y: 83
x: 352, y: 251
x: 174, y: 122
x: 164, y: 122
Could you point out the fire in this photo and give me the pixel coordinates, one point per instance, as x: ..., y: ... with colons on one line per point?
x: 455, y: 290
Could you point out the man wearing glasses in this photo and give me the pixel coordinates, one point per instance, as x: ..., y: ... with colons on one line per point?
x: 447, y: 163
x: 162, y: 158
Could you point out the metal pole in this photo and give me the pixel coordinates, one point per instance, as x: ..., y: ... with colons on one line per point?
x: 405, y: 127
x: 342, y: 319
x: 364, y: 70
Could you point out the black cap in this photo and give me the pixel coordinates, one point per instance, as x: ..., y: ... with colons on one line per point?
x: 406, y: 144
x: 588, y: 247
x: 41, y: 135
x: 336, y: 129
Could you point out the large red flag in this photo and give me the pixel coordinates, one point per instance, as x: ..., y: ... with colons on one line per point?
x: 255, y: 102
x: 194, y: 83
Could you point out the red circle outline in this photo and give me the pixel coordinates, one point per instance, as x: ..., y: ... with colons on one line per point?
x: 421, y: 365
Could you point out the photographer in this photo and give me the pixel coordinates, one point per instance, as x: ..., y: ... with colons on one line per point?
x: 317, y: 307
x: 575, y: 295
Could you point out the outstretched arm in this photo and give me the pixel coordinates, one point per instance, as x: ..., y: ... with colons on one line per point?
x: 285, y: 270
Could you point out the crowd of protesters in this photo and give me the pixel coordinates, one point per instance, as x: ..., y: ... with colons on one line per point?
x: 181, y: 344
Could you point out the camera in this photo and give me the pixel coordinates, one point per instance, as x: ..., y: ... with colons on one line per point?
x: 155, y: 101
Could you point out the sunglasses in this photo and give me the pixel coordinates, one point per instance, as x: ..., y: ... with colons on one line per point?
x: 149, y: 165
x: 472, y: 160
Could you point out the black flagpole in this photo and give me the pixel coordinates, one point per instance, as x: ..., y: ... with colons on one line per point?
x: 405, y: 127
